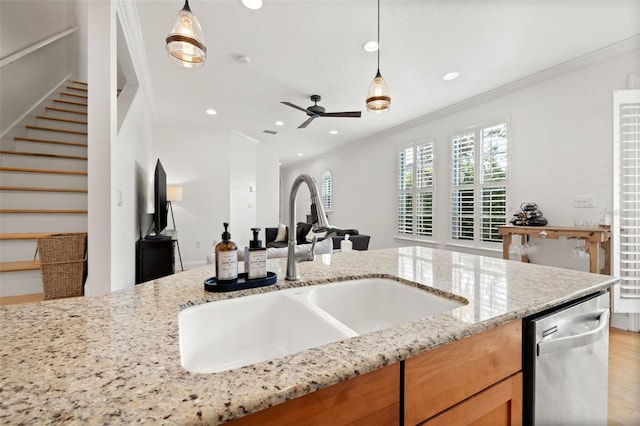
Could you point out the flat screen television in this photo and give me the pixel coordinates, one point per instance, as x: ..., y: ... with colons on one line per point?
x: 159, y: 200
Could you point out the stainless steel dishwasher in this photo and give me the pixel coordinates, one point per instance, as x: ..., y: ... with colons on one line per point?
x: 566, y: 363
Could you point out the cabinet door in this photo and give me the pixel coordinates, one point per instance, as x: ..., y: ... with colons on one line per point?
x: 443, y: 377
x: 155, y: 259
x: 370, y: 399
x: 500, y: 404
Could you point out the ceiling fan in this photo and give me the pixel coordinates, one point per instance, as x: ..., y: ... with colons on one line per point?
x: 315, y: 111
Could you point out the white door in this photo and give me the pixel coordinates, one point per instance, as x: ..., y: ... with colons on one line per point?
x: 626, y: 201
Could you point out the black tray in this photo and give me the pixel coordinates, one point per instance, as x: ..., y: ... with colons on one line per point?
x: 243, y: 283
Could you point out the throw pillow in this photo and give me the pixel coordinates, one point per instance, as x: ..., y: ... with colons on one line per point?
x: 282, y: 233
x: 311, y: 234
x: 301, y: 232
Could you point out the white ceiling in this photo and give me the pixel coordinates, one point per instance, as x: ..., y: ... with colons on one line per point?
x: 304, y: 47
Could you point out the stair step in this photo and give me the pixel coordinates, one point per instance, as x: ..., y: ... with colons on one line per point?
x: 20, y: 138
x: 40, y: 154
x: 62, y: 222
x: 50, y: 108
x: 64, y: 120
x: 55, y: 129
x: 30, y: 188
x: 43, y: 211
x: 82, y: 89
x: 20, y: 265
x: 80, y: 82
x: 48, y: 171
x: 64, y: 101
x: 23, y: 298
x: 25, y: 235
x: 74, y: 95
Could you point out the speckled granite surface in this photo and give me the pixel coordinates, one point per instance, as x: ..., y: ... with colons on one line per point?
x: 116, y: 359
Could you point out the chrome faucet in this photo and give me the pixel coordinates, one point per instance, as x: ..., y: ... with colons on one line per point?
x: 319, y: 223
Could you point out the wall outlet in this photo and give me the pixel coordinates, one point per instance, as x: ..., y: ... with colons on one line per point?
x: 584, y: 201
x: 197, y: 243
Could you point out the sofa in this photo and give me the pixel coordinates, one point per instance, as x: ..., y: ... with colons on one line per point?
x: 359, y: 241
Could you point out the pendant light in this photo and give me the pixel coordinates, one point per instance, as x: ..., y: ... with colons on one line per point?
x: 378, y: 98
x: 185, y: 42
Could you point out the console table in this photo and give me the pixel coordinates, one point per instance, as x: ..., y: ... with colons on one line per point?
x: 594, y: 238
x: 154, y: 258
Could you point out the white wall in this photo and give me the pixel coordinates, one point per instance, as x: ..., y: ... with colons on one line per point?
x: 28, y: 80
x: 561, y: 142
x: 199, y: 162
x: 242, y: 179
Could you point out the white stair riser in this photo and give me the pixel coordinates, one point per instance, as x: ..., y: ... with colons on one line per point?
x: 62, y: 114
x: 20, y: 282
x: 14, y: 250
x: 56, y: 136
x: 43, y: 200
x: 43, y: 122
x: 49, y: 148
x: 36, y: 162
x: 41, y: 222
x: 42, y: 180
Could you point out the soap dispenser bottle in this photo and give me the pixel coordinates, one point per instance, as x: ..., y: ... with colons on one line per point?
x: 226, y: 258
x: 255, y: 258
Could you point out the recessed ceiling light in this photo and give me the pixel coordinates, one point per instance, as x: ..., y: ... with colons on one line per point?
x: 451, y: 75
x: 333, y: 132
x: 370, y: 46
x: 279, y: 123
x: 211, y: 111
x: 300, y: 154
x: 252, y: 4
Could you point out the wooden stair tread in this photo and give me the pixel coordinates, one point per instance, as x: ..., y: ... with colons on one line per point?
x: 64, y: 120
x: 75, y: 95
x: 55, y: 129
x: 64, y: 101
x: 51, y: 108
x: 44, y: 211
x: 49, y: 171
x: 20, y: 138
x: 20, y: 265
x: 24, y: 235
x: 84, y: 83
x: 42, y: 154
x: 82, y: 89
x: 23, y: 298
x: 31, y: 188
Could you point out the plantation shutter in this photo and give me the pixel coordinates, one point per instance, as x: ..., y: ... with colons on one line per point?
x: 405, y: 191
x: 626, y: 201
x: 463, y: 158
x: 327, y: 191
x: 493, y: 184
x: 424, y: 189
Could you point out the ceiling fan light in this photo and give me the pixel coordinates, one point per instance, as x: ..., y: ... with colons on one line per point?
x: 378, y: 98
x: 185, y: 42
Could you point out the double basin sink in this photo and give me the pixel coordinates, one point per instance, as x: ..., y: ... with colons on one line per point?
x: 232, y: 333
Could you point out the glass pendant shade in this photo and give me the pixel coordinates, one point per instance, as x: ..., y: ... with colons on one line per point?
x: 185, y: 42
x: 378, y: 99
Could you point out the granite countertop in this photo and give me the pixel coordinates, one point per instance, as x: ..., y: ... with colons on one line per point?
x: 116, y: 358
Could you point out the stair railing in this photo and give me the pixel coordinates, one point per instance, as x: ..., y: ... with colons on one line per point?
x: 34, y: 47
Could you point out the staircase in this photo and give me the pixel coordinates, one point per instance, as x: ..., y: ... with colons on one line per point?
x: 43, y: 188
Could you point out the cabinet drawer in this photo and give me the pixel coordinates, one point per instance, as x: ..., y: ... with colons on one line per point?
x: 443, y: 377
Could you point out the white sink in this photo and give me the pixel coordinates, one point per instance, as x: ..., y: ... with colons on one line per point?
x: 233, y: 333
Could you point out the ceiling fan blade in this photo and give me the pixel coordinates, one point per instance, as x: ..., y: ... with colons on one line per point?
x: 355, y: 114
x: 309, y: 120
x: 294, y: 106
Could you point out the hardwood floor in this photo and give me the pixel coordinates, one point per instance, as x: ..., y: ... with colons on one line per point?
x: 624, y: 377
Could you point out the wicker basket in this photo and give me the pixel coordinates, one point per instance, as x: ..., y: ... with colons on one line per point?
x: 63, y: 264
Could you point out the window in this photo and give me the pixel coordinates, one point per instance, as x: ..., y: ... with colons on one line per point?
x: 415, y: 190
x: 327, y: 191
x: 479, y: 164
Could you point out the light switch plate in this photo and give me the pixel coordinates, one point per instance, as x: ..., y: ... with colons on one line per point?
x: 584, y: 201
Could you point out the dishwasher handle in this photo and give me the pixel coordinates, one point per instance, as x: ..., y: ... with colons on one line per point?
x: 575, y: 341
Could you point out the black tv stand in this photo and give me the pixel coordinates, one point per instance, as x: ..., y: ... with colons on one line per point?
x: 155, y: 258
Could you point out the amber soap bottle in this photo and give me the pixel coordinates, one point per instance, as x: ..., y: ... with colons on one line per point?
x: 226, y: 258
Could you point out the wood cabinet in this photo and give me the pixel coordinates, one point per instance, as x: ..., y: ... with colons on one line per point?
x: 155, y: 258
x: 441, y: 378
x: 476, y: 380
x: 370, y: 399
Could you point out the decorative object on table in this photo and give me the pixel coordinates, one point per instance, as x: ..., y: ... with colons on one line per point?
x: 63, y: 260
x: 528, y: 215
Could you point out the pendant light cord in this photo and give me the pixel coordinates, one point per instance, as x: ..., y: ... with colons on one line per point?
x: 378, y: 36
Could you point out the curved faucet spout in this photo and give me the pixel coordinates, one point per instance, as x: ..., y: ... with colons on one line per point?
x: 319, y: 223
